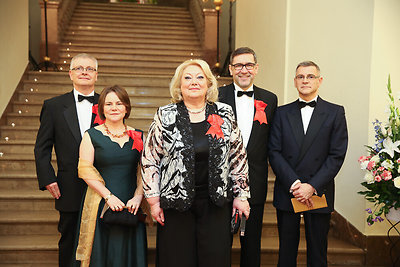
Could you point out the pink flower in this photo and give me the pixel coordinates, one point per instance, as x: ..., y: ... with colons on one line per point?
x: 386, y: 175
x: 381, y: 169
x: 378, y: 178
x: 371, y: 165
x: 362, y: 159
x: 398, y: 160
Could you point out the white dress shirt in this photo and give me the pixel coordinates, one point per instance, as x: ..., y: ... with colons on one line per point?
x: 306, y: 113
x: 84, y: 111
x: 245, y: 112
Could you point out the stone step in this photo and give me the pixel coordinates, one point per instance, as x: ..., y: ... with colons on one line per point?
x: 18, y: 131
x: 102, y: 51
x: 28, y: 223
x: 18, y: 180
x: 103, y: 78
x: 133, y: 41
x: 25, y: 199
x: 130, y: 63
x: 124, y: 7
x: 32, y: 119
x: 132, y: 11
x: 180, y: 31
x: 139, y: 109
x: 125, y: 45
x: 143, y: 19
x: 115, y: 56
x: 62, y: 87
x: 119, y: 33
x: 118, y: 69
x: 33, y: 249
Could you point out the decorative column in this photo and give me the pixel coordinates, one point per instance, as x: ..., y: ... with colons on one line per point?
x: 52, y: 30
x: 210, y: 36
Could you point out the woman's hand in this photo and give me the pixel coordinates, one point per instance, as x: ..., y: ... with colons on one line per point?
x: 133, y: 204
x: 115, y: 203
x: 242, y: 206
x: 156, y: 211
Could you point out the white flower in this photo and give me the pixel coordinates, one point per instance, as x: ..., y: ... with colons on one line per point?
x: 375, y: 158
x: 387, y: 164
x: 396, y: 182
x: 369, y: 178
x: 390, y: 147
x: 364, y: 165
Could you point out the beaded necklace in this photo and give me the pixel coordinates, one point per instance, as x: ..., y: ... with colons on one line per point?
x: 115, y: 135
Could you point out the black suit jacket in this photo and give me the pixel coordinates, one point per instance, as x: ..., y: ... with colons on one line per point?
x: 314, y: 158
x: 59, y: 128
x: 257, y: 147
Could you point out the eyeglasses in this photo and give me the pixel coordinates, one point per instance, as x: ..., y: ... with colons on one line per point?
x: 310, y: 77
x: 82, y: 69
x: 248, y: 66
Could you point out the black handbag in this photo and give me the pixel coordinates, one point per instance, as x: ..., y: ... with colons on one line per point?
x: 123, y: 217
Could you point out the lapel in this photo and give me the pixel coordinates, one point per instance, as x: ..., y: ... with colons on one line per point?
x: 256, y: 127
x: 296, y: 122
x: 96, y: 100
x: 71, y: 116
x: 230, y: 97
x: 317, y: 119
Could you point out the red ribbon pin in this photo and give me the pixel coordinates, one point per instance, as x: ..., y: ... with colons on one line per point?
x: 215, y: 129
x: 95, y: 110
x: 260, y: 112
x: 137, y: 140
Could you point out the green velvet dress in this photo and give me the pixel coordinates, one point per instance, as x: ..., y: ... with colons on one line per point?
x: 117, y: 246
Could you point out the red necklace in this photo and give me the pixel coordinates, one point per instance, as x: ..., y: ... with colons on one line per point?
x: 115, y: 135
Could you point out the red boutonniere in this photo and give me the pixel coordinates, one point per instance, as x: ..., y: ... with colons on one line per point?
x: 260, y: 112
x: 137, y: 140
x: 215, y: 129
x: 95, y: 110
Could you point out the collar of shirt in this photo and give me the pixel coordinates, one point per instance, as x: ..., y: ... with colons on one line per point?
x: 76, y: 93
x: 314, y: 99
x: 237, y: 88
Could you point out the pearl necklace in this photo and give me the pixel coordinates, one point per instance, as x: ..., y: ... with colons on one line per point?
x: 191, y: 111
x: 115, y: 135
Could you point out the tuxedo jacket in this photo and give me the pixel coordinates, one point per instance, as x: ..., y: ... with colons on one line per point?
x: 314, y: 158
x: 59, y: 128
x: 257, y: 147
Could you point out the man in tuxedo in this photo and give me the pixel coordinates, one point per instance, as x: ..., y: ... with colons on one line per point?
x: 254, y: 108
x: 63, y: 121
x: 307, y: 147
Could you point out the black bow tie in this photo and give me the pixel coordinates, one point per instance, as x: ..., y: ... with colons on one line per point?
x: 88, y: 98
x: 311, y: 104
x: 248, y: 93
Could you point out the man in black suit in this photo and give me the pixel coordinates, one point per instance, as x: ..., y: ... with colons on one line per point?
x: 63, y: 121
x: 307, y: 147
x: 254, y: 109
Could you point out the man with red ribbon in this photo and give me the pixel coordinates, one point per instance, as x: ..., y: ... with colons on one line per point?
x: 63, y: 121
x: 254, y: 108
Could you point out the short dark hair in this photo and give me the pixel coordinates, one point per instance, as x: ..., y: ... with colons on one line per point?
x: 241, y: 51
x: 122, y: 95
x: 308, y: 63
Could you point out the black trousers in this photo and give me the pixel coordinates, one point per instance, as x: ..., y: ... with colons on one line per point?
x: 199, y: 237
x: 250, y: 252
x: 67, y: 226
x: 317, y: 228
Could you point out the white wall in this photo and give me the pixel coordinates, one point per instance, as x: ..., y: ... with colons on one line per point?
x: 355, y: 43
x: 260, y: 25
x: 13, y: 47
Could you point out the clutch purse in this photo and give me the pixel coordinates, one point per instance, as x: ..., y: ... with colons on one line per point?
x: 123, y: 217
x: 235, y: 222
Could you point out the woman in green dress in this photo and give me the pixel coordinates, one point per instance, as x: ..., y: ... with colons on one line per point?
x: 108, y: 162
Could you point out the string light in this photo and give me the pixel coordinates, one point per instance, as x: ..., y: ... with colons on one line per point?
x: 26, y: 100
x: 6, y: 138
x: 65, y: 61
x: 35, y: 80
x: 31, y: 89
x: 69, y: 55
x: 70, y: 43
x: 67, y: 48
x: 19, y: 112
x: 61, y: 68
x: 1, y: 154
x: 40, y: 70
x: 12, y: 124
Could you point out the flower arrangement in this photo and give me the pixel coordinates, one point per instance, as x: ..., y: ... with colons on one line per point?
x: 382, y: 165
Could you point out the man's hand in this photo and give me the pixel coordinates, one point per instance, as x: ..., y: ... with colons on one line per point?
x: 54, y: 190
x: 303, y: 192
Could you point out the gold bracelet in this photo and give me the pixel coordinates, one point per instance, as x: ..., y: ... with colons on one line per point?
x: 108, y: 197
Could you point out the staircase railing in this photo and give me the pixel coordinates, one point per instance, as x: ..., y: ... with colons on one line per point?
x: 205, y: 22
x: 59, y: 13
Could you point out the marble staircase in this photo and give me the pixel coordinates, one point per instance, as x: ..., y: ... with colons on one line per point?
x: 138, y: 47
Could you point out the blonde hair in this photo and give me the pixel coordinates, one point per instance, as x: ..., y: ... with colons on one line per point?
x: 83, y: 55
x: 175, y: 85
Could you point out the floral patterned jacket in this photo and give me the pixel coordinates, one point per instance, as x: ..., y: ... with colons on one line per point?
x: 168, y: 158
